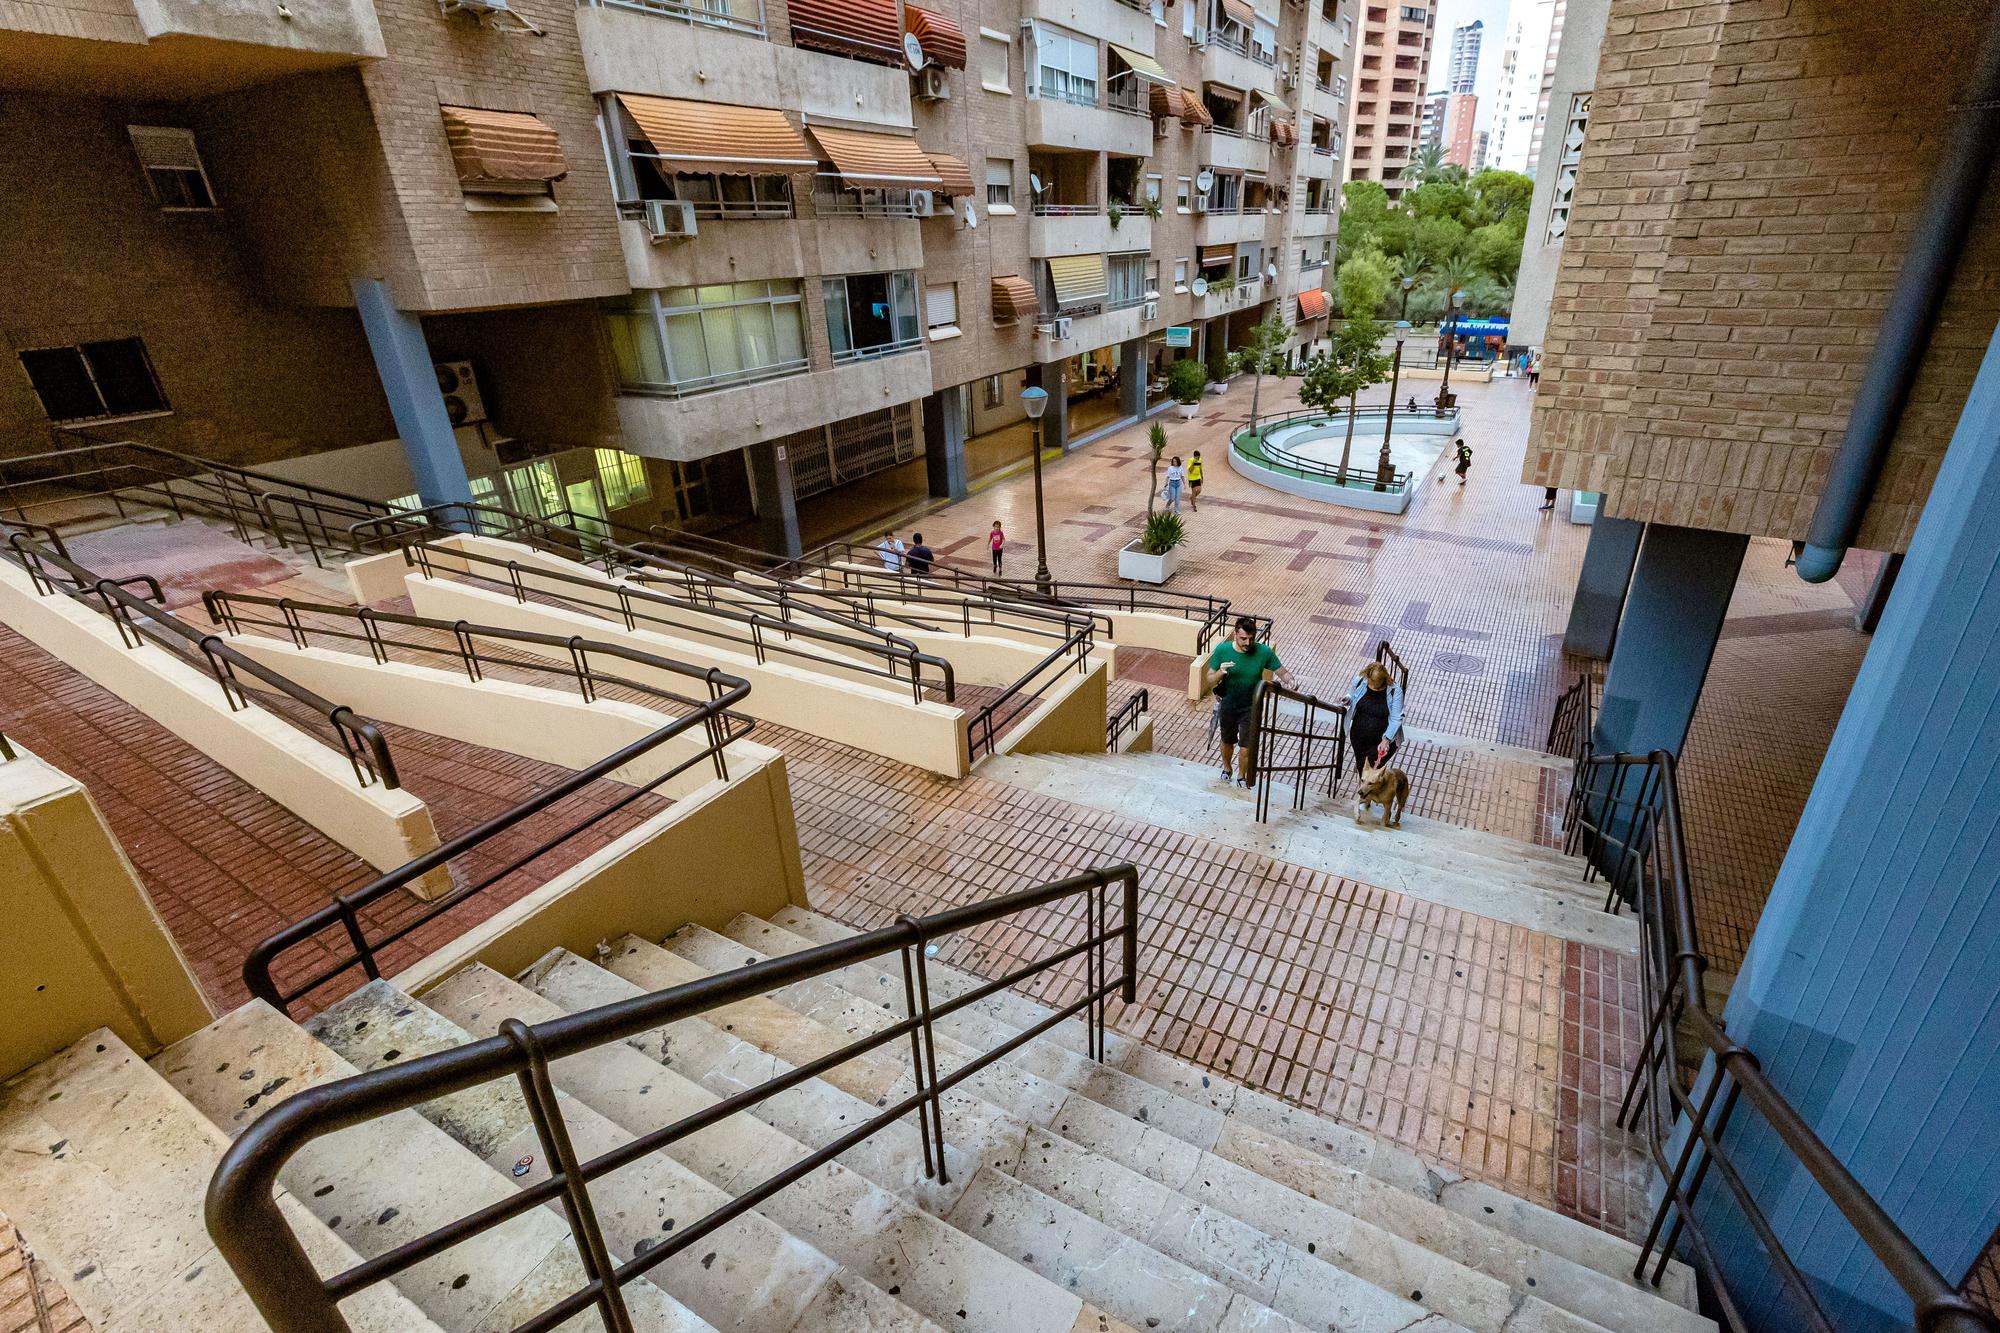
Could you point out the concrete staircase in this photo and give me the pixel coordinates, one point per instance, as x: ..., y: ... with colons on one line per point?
x: 1483, y: 873
x: 1084, y: 1197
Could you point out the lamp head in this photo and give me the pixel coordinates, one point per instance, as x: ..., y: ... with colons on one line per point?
x: 1408, y: 283
x: 1035, y: 401
x: 1458, y: 297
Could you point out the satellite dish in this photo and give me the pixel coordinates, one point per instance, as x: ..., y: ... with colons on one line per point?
x: 1205, y: 181
x: 1271, y: 272
x: 971, y: 218
x: 1034, y: 182
x: 1199, y: 286
x: 913, y: 50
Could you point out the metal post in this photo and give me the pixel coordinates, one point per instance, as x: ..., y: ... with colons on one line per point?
x: 1451, y: 326
x: 1384, y: 469
x: 1043, y: 583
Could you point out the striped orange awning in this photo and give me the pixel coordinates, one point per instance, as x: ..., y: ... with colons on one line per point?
x: 1284, y: 132
x: 1014, y: 299
x: 491, y: 147
x: 942, y: 39
x: 1240, y: 11
x: 877, y: 161
x: 1192, y: 111
x: 1163, y: 101
x: 1313, y: 304
x: 700, y: 137
x: 957, y: 176
x: 864, y: 29
x: 1211, y: 255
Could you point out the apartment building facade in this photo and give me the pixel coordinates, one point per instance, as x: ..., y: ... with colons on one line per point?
x: 1774, y: 305
x: 1527, y: 72
x: 1392, y: 71
x: 769, y: 249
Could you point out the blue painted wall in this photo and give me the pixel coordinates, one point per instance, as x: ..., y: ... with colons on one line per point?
x: 403, y: 360
x: 1871, y: 990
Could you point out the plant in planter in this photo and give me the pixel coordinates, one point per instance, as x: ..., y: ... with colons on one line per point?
x: 1151, y: 207
x: 1225, y: 283
x: 1115, y: 211
x: 1186, y: 380
x: 1153, y: 557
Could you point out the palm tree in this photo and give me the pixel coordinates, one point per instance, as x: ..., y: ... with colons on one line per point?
x: 1428, y: 165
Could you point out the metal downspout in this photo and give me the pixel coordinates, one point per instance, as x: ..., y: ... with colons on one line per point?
x: 1929, y: 266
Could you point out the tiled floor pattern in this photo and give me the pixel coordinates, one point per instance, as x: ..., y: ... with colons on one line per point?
x: 32, y: 1300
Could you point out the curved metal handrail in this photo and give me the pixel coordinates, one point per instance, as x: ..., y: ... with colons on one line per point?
x: 1266, y: 732
x: 1277, y: 457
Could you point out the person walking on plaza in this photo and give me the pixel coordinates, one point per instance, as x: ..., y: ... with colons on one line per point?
x: 919, y: 557
x: 1548, y: 498
x: 1176, y: 478
x: 1374, y: 716
x: 1194, y: 482
x: 1234, y: 669
x: 891, y: 550
x: 1464, y: 452
x: 1535, y: 369
x: 995, y: 540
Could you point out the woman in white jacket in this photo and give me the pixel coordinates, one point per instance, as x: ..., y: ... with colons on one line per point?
x: 1374, y: 716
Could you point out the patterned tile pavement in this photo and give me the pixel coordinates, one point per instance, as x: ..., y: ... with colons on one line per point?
x: 32, y: 1300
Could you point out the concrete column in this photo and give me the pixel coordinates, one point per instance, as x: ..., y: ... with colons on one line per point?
x: 1055, y: 419
x: 1600, y: 588
x: 777, y: 503
x: 944, y: 443
x: 1870, y: 993
x: 1132, y: 378
x: 1673, y: 617
x: 403, y: 361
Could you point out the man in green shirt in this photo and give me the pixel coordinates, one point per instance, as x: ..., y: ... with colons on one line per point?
x: 1234, y: 669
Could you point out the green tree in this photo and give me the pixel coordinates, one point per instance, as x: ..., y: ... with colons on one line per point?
x: 1502, y: 194
x: 1356, y: 361
x: 1156, y: 441
x: 1263, y: 354
x: 1444, y: 214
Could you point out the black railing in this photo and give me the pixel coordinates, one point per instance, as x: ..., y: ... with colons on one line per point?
x: 983, y: 728
x: 141, y: 620
x: 1389, y: 660
x: 1300, y: 750
x: 478, y: 649
x: 255, y: 1237
x: 1127, y: 718
x: 1634, y: 803
x: 861, y: 651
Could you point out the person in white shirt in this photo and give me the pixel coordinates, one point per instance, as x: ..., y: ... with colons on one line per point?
x: 1176, y: 479
x: 891, y: 549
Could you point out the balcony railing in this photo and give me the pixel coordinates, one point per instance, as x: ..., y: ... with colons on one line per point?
x: 721, y: 210
x: 875, y: 204
x: 1123, y: 93
x: 1068, y: 210
x: 744, y: 16
x: 1223, y: 38
x: 710, y: 383
x: 1323, y: 150
x: 1226, y: 131
x: 877, y: 350
x: 1075, y: 96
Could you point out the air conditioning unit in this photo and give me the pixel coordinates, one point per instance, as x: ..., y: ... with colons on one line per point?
x: 923, y: 203
x: 500, y: 12
x: 1149, y: 311
x: 1201, y: 203
x: 1288, y: 78
x: 1160, y: 127
x: 934, y: 83
x: 1060, y: 327
x: 460, y: 388
x: 670, y: 220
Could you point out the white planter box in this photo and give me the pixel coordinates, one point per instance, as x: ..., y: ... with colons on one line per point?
x: 1188, y: 410
x: 1134, y: 563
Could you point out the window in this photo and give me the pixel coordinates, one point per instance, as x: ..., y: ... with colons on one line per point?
x: 941, y: 309
x: 686, y: 340
x: 1180, y: 275
x: 871, y: 314
x: 1183, y: 192
x: 623, y: 477
x: 1246, y: 265
x: 1187, y: 21
x: 173, y: 167
x: 1152, y: 279
x: 994, y: 393
x: 1000, y: 184
x: 1264, y: 42
x: 996, y: 60
x: 690, y: 485
x: 714, y: 196
x: 1067, y: 65
x: 1153, y: 186
x: 1128, y: 281
x: 94, y: 380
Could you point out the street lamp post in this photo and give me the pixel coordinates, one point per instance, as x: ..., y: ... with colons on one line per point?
x: 1385, y: 470
x: 1452, y: 303
x: 1035, y: 401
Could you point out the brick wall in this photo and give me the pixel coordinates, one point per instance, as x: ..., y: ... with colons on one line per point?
x: 1748, y: 187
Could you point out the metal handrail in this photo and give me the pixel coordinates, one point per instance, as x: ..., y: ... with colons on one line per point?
x: 143, y: 619
x: 256, y: 1238
x: 982, y: 728
x: 1684, y: 1126
x: 713, y: 715
x: 1266, y: 732
x: 1350, y: 477
x: 765, y: 636
x: 1388, y: 658
x: 1126, y: 718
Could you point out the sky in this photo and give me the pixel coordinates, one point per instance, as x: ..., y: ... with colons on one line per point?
x: 1451, y: 14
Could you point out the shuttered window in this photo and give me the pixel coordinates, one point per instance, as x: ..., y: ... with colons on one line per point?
x: 941, y: 307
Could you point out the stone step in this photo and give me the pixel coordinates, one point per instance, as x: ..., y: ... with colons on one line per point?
x: 392, y: 1179
x: 747, y: 1275
x: 103, y: 1169
x: 1395, y: 1240
x: 1363, y: 1157
x: 913, y: 1255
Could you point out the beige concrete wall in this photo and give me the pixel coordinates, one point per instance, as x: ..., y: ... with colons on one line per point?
x: 548, y: 724
x: 1070, y: 718
x: 311, y: 779
x: 881, y: 721
x: 83, y: 947
x: 340, y: 27
x: 705, y: 424
x: 731, y: 848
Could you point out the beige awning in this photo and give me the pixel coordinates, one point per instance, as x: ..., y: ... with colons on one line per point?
x: 1143, y: 65
x: 1211, y: 255
x: 877, y: 161
x: 700, y: 137
x: 957, y: 176
x: 1013, y: 299
x: 496, y: 147
x: 1269, y: 100
x: 1078, y: 279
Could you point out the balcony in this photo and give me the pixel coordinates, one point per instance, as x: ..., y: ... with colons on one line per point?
x: 1085, y: 229
x: 1326, y: 104
x: 1088, y: 125
x: 726, y: 419
x: 725, y: 248
x: 1230, y: 227
x: 1127, y: 23
x: 1232, y: 150
x: 1317, y: 164
x: 1101, y: 326
x: 188, y: 48
x: 1235, y: 68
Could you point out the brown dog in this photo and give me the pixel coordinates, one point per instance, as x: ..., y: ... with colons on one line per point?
x: 1386, y: 787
